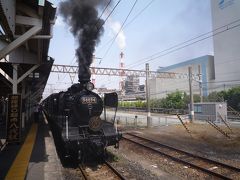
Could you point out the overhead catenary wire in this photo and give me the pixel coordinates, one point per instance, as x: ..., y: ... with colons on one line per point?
x: 229, y: 83
x: 151, y: 58
x: 108, y: 4
x: 115, y: 37
x: 138, y: 14
x: 101, y: 24
x: 108, y: 15
x: 176, y: 47
x: 132, y: 20
x: 212, y: 35
x: 195, y: 90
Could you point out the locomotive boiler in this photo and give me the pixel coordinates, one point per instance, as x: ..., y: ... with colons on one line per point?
x: 78, y: 123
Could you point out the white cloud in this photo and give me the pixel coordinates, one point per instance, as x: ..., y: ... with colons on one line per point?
x: 121, y: 39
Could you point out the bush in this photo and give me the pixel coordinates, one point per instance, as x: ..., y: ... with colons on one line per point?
x: 232, y: 96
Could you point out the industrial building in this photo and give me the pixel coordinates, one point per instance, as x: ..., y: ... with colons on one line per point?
x: 204, y: 66
x: 131, y: 84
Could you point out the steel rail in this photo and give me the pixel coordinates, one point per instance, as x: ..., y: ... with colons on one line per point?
x: 178, y: 159
x: 115, y: 171
x: 87, y: 176
x: 84, y: 174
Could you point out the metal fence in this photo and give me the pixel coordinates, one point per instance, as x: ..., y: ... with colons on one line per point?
x: 131, y: 120
x: 138, y: 120
x: 155, y: 110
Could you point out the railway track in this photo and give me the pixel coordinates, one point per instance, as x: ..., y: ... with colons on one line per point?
x: 106, y: 171
x: 209, y: 166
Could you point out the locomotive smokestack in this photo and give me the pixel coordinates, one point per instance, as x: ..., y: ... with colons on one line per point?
x: 86, y: 27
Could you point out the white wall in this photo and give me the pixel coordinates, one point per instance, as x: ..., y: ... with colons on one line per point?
x: 159, y: 88
x: 226, y: 44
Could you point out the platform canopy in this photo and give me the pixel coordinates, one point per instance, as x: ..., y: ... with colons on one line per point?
x: 25, y: 33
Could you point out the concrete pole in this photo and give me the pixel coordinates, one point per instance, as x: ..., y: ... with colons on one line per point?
x: 149, y: 119
x: 200, y: 82
x: 191, y: 94
x: 15, y: 78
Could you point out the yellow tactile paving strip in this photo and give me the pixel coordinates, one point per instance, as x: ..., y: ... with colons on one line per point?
x: 19, y: 167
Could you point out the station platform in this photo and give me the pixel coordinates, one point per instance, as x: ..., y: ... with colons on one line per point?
x: 35, y: 158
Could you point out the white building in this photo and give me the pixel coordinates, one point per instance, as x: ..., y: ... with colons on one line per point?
x: 160, y: 87
x: 226, y: 17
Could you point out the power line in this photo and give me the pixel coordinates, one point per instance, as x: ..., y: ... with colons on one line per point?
x: 138, y: 14
x: 108, y: 15
x: 95, y: 25
x: 152, y: 57
x: 186, y: 45
x: 186, y: 90
x: 228, y: 28
x: 131, y: 21
x: 120, y: 29
x: 105, y: 9
x: 98, y: 21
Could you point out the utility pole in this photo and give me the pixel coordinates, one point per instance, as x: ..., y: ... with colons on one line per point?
x: 191, y: 93
x: 200, y: 82
x: 149, y: 119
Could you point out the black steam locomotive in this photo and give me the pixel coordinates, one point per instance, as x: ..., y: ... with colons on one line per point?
x: 74, y: 117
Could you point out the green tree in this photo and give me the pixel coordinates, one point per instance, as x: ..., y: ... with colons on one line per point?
x: 175, y: 100
x: 233, y: 97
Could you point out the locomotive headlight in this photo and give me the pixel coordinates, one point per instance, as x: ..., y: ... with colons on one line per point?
x: 90, y: 86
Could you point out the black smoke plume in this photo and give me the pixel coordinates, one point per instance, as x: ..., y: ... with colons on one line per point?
x: 82, y: 17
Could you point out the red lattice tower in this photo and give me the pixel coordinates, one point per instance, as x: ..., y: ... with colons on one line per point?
x: 122, y: 73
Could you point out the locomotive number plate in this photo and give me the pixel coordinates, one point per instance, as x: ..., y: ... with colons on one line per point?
x: 89, y: 100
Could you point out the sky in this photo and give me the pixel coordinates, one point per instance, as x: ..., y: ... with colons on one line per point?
x: 162, y: 25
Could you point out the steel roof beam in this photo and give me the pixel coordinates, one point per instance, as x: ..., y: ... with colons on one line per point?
x: 27, y: 73
x: 30, y: 21
x: 7, y: 16
x: 2, y: 72
x: 19, y: 41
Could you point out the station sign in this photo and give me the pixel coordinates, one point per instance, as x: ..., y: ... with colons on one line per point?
x: 14, y: 118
